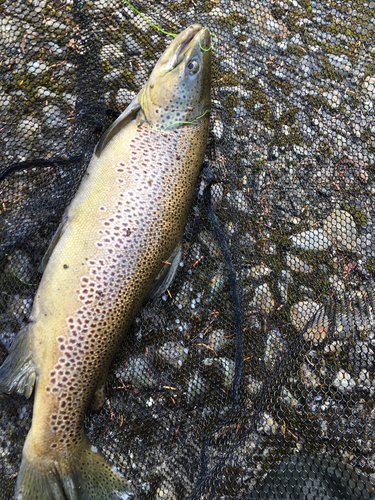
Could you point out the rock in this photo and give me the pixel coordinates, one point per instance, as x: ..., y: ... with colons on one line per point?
x: 174, y: 354
x: 133, y: 48
x: 267, y: 424
x: 217, y: 340
x: 5, y: 101
x: 308, y: 376
x: 20, y: 266
x: 218, y: 129
x: 140, y: 372
x: 124, y: 98
x: 166, y: 491
x: 196, y: 388
x: 361, y: 356
x: 36, y: 67
x: 302, y: 313
x: 253, y: 386
x: 112, y: 53
x: 344, y: 381
x: 276, y: 347
x: 263, y: 300
x: 225, y: 366
x: 341, y: 228
x: 315, y: 241
x: 28, y: 128
x: 334, y: 98
x: 54, y: 117
x: 257, y: 272
x: 298, y: 265
x: 342, y: 62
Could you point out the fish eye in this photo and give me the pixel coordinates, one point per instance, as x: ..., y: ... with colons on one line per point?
x: 193, y: 66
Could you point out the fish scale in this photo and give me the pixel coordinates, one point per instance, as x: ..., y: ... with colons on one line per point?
x: 109, y: 282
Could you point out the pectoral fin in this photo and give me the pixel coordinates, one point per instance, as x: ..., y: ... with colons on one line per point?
x: 166, y: 275
x: 125, y: 117
x: 52, y: 245
x: 17, y: 373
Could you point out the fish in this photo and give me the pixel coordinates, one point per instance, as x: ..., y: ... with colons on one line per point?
x: 119, y: 243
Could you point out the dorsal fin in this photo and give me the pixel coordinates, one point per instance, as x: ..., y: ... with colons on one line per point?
x: 125, y: 117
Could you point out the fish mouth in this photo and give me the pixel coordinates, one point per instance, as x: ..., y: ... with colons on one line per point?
x: 187, y: 37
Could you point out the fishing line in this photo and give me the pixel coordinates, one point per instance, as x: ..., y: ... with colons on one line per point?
x: 188, y: 123
x: 174, y: 34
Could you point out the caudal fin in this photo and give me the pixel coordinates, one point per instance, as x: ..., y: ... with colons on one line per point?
x: 93, y: 478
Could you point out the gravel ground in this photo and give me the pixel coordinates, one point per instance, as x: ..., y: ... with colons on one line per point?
x: 292, y: 147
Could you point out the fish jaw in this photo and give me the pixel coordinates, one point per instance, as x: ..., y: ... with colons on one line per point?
x: 178, y: 91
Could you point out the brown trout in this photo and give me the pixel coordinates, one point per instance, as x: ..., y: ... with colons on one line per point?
x: 125, y: 221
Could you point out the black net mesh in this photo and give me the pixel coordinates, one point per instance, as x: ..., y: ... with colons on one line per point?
x: 253, y: 375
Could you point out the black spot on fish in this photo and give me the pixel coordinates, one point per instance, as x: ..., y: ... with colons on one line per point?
x: 65, y: 266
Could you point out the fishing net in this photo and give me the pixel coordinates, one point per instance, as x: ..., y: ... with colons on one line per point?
x: 253, y: 375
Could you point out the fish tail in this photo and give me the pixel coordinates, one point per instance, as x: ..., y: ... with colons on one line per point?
x: 92, y: 478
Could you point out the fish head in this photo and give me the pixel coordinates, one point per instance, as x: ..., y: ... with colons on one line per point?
x: 179, y: 88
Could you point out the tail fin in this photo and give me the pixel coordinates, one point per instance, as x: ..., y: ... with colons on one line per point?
x: 93, y: 478
x: 17, y: 373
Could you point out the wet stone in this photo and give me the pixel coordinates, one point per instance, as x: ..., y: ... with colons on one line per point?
x: 54, y: 117
x: 302, y: 313
x: 298, y: 265
x: 217, y: 340
x: 196, y: 388
x: 224, y: 366
x: 19, y: 265
x: 140, y: 372
x: 263, y: 300
x: 344, y: 381
x: 257, y: 272
x: 275, y: 349
x: 342, y: 230
x: 174, y: 354
x: 315, y: 241
x: 28, y: 128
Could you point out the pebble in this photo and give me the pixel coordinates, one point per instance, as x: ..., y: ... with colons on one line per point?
x: 334, y: 98
x: 225, y: 366
x: 257, y: 272
x: 361, y: 356
x: 263, y: 300
x: 54, y: 117
x: 276, y: 347
x: 298, y: 265
x: 267, y: 424
x: 140, y: 372
x: 133, y: 48
x: 174, y: 354
x: 5, y: 101
x: 218, y: 129
x: 112, y: 53
x: 196, y: 388
x: 300, y: 315
x: 217, y: 340
x: 20, y: 266
x: 36, y: 67
x: 342, y: 230
x: 124, y: 98
x: 344, y: 381
x: 165, y: 491
x: 315, y: 241
x: 28, y: 127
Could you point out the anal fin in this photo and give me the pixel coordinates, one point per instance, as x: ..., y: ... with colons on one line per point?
x: 166, y: 275
x: 17, y: 373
